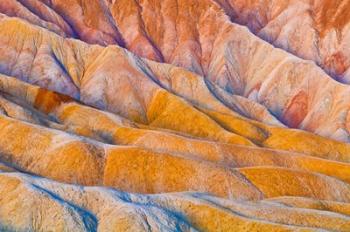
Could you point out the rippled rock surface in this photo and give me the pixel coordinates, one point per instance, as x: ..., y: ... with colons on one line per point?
x: 174, y: 115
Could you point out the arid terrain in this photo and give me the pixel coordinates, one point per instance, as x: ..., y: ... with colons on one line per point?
x: 174, y: 115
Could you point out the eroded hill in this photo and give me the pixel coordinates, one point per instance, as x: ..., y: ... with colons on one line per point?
x: 166, y: 116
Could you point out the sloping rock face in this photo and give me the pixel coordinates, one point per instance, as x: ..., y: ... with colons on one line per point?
x: 169, y: 116
x: 314, y: 30
x: 200, y: 37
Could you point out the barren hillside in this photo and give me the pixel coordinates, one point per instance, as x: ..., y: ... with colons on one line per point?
x: 174, y: 115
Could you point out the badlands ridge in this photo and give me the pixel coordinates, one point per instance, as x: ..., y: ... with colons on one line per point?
x: 174, y: 115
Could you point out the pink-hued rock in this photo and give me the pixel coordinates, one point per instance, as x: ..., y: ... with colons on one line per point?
x: 314, y: 30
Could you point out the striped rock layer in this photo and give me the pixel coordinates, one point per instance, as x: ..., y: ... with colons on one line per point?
x: 173, y: 115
